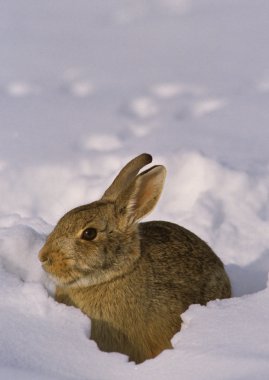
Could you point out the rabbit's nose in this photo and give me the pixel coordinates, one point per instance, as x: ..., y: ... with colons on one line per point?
x: 43, y: 255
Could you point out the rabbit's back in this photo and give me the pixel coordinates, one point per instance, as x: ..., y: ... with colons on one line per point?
x: 184, y: 266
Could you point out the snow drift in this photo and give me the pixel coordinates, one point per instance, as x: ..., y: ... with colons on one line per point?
x: 83, y: 89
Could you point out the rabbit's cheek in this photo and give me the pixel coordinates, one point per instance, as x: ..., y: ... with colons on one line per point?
x: 86, y: 267
x: 90, y: 259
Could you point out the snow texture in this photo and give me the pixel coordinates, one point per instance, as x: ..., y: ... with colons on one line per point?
x: 86, y: 86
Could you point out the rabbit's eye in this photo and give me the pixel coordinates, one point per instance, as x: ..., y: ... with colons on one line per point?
x: 89, y: 234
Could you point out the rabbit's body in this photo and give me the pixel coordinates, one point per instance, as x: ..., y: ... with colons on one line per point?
x: 133, y: 280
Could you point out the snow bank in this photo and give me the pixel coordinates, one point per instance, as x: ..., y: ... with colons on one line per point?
x: 223, y: 206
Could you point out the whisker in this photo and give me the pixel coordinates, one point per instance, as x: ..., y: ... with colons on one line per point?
x: 75, y: 280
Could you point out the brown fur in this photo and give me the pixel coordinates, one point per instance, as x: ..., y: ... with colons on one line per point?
x: 134, y: 280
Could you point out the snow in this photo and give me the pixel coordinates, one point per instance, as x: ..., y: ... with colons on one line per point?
x: 83, y: 89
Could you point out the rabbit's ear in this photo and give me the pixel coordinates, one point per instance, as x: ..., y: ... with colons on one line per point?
x: 142, y: 195
x: 126, y: 176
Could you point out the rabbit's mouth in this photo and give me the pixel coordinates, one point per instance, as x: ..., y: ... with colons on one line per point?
x: 62, y: 282
x: 63, y: 277
x: 68, y: 276
x: 72, y: 281
x: 59, y: 267
x: 68, y: 279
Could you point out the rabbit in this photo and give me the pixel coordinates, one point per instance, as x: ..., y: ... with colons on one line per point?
x: 133, y: 280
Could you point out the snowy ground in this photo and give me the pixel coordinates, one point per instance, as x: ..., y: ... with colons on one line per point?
x: 86, y: 86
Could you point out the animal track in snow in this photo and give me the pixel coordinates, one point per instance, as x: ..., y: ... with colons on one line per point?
x: 263, y: 85
x: 82, y: 89
x: 143, y: 107
x: 207, y: 106
x: 141, y: 129
x: 166, y: 101
x: 76, y: 84
x: 73, y: 84
x: 170, y: 90
x: 102, y: 142
x: 198, y: 105
x: 21, y: 89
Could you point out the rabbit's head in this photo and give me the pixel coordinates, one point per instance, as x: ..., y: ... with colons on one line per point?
x: 94, y: 243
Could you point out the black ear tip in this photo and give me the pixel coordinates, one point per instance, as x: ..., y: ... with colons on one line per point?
x: 147, y: 157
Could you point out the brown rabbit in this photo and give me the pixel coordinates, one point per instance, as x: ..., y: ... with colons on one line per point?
x: 132, y: 279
